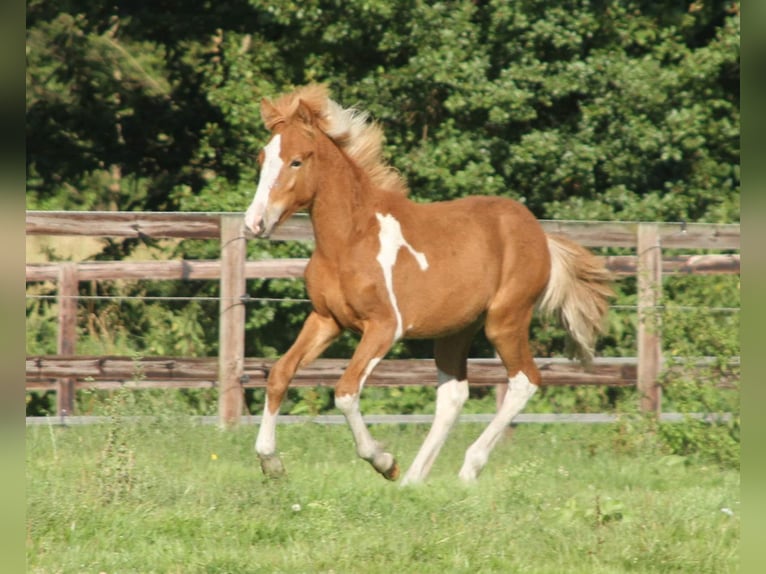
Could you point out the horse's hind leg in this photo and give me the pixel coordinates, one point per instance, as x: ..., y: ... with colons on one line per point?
x: 508, y: 330
x: 450, y: 354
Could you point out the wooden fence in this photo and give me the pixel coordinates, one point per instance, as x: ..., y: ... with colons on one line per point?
x: 231, y: 372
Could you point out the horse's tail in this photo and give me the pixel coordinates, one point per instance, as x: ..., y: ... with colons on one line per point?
x: 577, y: 293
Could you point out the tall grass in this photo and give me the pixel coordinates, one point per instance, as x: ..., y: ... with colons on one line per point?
x: 166, y: 495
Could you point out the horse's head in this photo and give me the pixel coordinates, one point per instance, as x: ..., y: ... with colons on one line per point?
x: 305, y: 126
x: 284, y: 186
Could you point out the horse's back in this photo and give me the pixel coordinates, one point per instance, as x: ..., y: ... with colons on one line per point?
x: 487, y: 229
x: 475, y: 248
x: 493, y: 213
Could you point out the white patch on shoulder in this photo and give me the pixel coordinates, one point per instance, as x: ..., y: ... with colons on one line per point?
x: 272, y: 165
x: 391, y: 241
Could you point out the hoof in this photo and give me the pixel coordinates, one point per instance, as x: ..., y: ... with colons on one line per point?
x: 272, y: 466
x: 392, y: 473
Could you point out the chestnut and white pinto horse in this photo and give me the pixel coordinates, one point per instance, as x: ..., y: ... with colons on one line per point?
x: 389, y: 268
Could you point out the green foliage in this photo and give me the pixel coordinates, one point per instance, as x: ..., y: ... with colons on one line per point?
x: 41, y: 332
x: 716, y: 441
x: 691, y: 330
x: 701, y: 316
x: 700, y: 437
x: 117, y: 461
x: 605, y: 109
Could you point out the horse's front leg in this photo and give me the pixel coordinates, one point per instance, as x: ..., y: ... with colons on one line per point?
x: 375, y: 343
x: 315, y: 336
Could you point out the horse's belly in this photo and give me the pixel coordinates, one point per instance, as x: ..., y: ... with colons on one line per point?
x: 434, y: 311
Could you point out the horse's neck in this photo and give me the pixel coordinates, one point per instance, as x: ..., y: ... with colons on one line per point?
x: 344, y: 205
x: 337, y: 216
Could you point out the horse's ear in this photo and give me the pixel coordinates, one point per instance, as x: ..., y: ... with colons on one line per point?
x: 269, y: 114
x: 305, y: 113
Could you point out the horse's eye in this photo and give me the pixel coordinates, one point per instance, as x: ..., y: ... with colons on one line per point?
x: 296, y: 163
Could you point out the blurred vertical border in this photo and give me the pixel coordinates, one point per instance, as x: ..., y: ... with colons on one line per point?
x: 753, y: 145
x: 12, y: 308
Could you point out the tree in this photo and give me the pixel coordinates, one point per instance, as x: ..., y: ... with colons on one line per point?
x: 581, y: 109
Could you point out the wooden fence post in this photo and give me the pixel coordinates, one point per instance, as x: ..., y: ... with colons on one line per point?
x: 649, y: 278
x: 67, y: 333
x: 231, y: 338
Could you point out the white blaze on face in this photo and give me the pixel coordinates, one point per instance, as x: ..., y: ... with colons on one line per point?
x: 391, y: 241
x: 272, y: 165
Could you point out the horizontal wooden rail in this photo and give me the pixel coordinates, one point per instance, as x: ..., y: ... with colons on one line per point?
x: 105, y: 372
x: 679, y: 264
x: 158, y: 225
x: 182, y: 270
x: 195, y: 225
x: 624, y: 234
x: 42, y: 371
x: 124, y: 224
x: 289, y: 268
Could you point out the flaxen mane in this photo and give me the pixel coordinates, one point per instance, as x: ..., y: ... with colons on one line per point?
x: 349, y: 128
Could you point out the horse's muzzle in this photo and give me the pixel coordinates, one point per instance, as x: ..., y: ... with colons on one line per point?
x: 258, y: 229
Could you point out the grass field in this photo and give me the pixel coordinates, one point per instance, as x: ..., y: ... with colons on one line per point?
x: 170, y: 496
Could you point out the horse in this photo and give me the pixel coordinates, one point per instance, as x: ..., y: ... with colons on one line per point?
x: 389, y: 268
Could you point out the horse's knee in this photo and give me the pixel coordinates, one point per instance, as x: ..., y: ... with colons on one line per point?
x: 278, y: 381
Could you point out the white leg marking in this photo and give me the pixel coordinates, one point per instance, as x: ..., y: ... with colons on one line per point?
x: 366, y: 446
x: 272, y: 165
x: 520, y: 389
x: 266, y: 443
x: 370, y: 366
x: 349, y: 406
x: 450, y: 397
x: 391, y: 241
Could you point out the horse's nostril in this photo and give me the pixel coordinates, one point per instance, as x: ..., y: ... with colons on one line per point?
x: 255, y: 227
